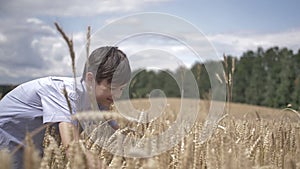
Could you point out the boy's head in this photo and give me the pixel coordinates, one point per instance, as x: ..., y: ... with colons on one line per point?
x: 108, y: 63
x: 107, y: 71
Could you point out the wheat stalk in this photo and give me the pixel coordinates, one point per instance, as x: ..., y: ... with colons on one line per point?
x: 31, y: 154
x: 5, y: 159
x: 71, y: 49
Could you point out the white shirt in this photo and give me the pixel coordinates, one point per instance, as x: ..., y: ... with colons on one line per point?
x: 32, y: 104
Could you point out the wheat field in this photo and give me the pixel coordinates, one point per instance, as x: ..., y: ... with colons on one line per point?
x: 248, y: 137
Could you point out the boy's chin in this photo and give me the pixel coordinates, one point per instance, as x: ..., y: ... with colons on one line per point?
x: 107, y: 106
x: 104, y: 106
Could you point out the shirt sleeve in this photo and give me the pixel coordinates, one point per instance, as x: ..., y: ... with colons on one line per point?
x: 54, y: 103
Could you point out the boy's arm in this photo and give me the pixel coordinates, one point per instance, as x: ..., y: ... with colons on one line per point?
x: 68, y: 133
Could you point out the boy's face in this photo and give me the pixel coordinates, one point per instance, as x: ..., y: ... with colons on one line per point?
x: 106, y: 93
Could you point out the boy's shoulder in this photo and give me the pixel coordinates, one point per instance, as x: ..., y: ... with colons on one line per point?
x: 58, y: 83
x: 47, y: 85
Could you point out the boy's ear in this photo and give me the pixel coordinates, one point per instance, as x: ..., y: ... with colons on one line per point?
x: 89, y: 78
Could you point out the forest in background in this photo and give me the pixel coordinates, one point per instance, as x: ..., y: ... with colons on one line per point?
x: 263, y: 77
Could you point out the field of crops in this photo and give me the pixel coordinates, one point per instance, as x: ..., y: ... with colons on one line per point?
x: 249, y: 137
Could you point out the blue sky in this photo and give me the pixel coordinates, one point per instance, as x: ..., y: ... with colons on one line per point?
x: 30, y: 47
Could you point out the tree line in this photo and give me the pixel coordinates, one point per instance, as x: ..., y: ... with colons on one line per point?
x: 268, y: 78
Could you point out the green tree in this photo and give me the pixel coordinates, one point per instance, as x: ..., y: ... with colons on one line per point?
x: 168, y: 83
x: 242, y: 76
x: 256, y: 85
x: 296, y: 85
x: 286, y: 78
x: 273, y: 68
x: 139, y: 85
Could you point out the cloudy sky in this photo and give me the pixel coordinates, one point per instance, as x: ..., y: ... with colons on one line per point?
x: 171, y: 33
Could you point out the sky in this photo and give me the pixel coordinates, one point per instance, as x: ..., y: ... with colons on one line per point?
x: 159, y: 34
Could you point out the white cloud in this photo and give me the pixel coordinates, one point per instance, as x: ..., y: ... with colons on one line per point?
x: 236, y: 44
x: 74, y: 7
x: 54, y: 51
x: 131, y: 21
x: 157, y: 51
x: 3, y: 38
x: 34, y: 21
x: 32, y: 50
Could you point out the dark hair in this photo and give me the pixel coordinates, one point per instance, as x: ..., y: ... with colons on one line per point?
x: 108, y: 63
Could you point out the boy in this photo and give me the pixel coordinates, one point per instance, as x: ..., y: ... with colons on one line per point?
x: 36, y: 103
